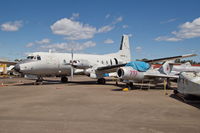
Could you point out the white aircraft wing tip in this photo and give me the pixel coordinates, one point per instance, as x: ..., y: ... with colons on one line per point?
x: 189, y: 55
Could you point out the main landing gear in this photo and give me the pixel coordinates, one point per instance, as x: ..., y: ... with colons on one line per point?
x: 130, y: 86
x: 38, y: 81
x: 64, y: 79
x: 101, y: 81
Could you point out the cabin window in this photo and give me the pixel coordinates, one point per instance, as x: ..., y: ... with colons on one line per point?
x: 110, y: 61
x: 102, y: 62
x: 116, y: 61
x: 107, y: 62
x: 64, y: 61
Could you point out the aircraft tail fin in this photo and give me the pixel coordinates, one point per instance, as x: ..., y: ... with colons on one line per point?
x: 166, y: 68
x: 124, y: 50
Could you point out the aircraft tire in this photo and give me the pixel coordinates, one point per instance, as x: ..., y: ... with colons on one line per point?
x: 101, y: 81
x: 64, y: 79
x: 175, y: 92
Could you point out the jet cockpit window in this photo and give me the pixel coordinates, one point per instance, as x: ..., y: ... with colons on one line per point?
x: 30, y: 57
x: 38, y: 57
x: 34, y: 57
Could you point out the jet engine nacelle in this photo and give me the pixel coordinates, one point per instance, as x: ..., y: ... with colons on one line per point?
x: 128, y: 73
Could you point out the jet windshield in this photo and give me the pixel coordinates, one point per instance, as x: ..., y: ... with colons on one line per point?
x: 34, y: 57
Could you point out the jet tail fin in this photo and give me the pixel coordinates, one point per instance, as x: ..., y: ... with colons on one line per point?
x: 166, y: 68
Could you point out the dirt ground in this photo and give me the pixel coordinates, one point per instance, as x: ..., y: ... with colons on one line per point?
x: 82, y: 106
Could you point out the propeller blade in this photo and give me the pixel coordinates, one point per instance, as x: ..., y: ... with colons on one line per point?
x: 72, y: 69
x: 72, y: 72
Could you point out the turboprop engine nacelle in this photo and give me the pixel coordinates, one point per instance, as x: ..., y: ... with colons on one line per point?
x: 128, y: 73
x: 81, y: 64
x: 90, y: 73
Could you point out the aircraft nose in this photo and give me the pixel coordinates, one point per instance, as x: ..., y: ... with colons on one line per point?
x: 17, y: 68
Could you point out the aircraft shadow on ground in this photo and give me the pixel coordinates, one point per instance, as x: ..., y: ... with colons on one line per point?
x: 70, y: 83
x: 195, y: 102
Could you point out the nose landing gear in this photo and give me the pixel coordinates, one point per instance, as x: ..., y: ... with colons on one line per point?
x: 39, y: 81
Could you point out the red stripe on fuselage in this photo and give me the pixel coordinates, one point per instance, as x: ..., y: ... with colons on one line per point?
x: 133, y: 73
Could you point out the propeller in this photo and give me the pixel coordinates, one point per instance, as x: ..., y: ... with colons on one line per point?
x: 72, y: 61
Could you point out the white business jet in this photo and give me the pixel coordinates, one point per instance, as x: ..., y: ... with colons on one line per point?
x: 41, y: 64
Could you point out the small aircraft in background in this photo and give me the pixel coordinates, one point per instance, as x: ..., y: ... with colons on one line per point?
x: 185, y: 67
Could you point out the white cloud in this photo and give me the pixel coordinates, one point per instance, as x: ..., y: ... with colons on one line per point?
x: 43, y: 41
x: 30, y: 44
x: 73, y: 30
x: 108, y: 41
x: 107, y: 16
x: 69, y: 46
x: 11, y: 26
x: 186, y: 31
x: 130, y: 35
x: 124, y: 26
x: 169, y: 21
x: 105, y: 29
x: 166, y: 38
x: 117, y: 20
x: 75, y: 16
x: 138, y: 49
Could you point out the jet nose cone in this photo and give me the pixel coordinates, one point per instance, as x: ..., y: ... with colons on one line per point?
x: 17, y: 68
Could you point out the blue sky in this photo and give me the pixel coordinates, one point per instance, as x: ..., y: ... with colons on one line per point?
x: 157, y: 28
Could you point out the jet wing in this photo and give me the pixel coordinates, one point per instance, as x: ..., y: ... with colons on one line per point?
x: 111, y: 68
x: 8, y: 62
x: 160, y: 76
x: 170, y: 58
